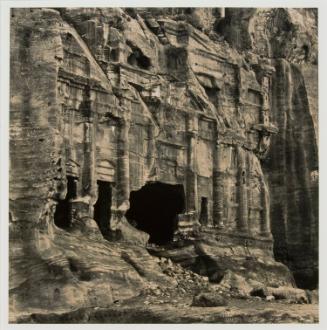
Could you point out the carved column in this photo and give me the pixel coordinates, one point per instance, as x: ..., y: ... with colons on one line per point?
x: 264, y: 76
x: 123, y: 188
x: 192, y: 182
x: 218, y: 187
x: 88, y: 174
x: 151, y: 155
x: 92, y: 146
x: 265, y: 216
x: 242, y: 192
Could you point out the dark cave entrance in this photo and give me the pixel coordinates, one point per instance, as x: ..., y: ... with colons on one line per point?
x: 137, y: 58
x: 63, y: 212
x: 155, y: 208
x: 102, y: 207
x: 306, y: 278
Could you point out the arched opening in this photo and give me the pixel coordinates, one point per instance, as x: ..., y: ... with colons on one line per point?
x: 102, y: 207
x: 63, y: 212
x: 155, y: 208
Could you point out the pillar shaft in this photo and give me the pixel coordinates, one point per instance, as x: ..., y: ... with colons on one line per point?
x: 89, y: 159
x: 192, y: 180
x: 123, y: 163
x: 265, y: 217
x: 242, y: 192
x: 121, y: 192
x: 89, y: 178
x: 218, y: 188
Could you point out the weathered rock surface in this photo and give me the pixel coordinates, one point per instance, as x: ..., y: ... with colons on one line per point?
x: 241, y: 312
x: 189, y: 133
x: 207, y: 299
x: 291, y: 294
x: 223, y: 259
x: 293, y: 159
x: 290, y: 37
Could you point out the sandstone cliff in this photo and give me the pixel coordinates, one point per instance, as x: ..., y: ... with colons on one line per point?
x: 211, y: 111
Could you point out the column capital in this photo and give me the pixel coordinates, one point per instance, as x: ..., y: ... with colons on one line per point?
x: 92, y: 95
x: 193, y: 134
x: 192, y: 123
x: 123, y: 121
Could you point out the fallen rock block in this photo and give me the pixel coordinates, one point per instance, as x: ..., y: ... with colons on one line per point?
x: 209, y: 300
x: 235, y: 283
x: 293, y: 295
x: 313, y: 296
x: 259, y: 292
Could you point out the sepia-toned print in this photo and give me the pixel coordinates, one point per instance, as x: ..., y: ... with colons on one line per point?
x: 163, y: 165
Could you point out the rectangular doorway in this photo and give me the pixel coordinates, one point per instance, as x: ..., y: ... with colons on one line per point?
x: 204, y: 211
x: 63, y: 212
x: 102, y: 207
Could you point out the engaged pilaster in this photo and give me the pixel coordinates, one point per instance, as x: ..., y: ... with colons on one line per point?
x: 192, y: 182
x: 123, y: 163
x: 88, y: 177
x: 242, y: 192
x: 265, y: 217
x: 218, y: 187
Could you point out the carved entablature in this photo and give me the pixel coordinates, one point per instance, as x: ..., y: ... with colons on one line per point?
x: 72, y: 168
x: 265, y: 133
x: 151, y: 93
x: 105, y: 171
x: 263, y: 70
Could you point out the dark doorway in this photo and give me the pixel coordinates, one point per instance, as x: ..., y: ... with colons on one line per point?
x: 212, y: 93
x: 102, y: 207
x: 63, y: 213
x: 204, y: 211
x: 155, y: 208
x: 137, y: 58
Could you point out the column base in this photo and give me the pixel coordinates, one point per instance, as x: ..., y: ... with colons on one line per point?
x: 116, y: 216
x: 81, y: 208
x: 220, y: 225
x: 243, y: 231
x: 266, y: 234
x: 187, y: 222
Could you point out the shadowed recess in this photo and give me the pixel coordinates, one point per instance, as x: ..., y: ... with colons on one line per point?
x: 102, y: 207
x: 63, y: 216
x: 155, y: 208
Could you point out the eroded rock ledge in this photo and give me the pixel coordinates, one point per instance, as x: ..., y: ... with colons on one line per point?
x: 187, y: 133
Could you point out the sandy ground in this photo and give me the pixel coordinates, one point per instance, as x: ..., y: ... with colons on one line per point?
x: 178, y: 309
